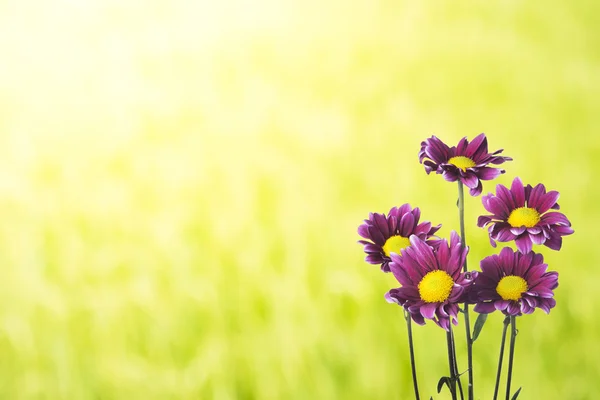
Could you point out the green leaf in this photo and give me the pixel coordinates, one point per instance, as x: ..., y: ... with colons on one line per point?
x: 516, y: 394
x: 481, y: 318
x: 444, y: 380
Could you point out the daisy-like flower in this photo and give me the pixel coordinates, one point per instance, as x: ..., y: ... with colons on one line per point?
x: 389, y: 234
x: 431, y: 279
x: 467, y: 161
x: 521, y: 214
x: 514, y: 283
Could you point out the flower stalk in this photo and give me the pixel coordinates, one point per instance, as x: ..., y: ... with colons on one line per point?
x: 513, y: 337
x: 451, y: 365
x: 412, y: 354
x: 461, y: 217
x: 500, y: 358
x: 458, y: 381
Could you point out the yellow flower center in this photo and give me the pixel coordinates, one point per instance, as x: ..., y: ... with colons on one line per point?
x: 524, y: 216
x: 462, y: 162
x: 394, y: 244
x: 435, y: 286
x: 511, y: 287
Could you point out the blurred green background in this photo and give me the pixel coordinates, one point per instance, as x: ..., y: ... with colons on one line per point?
x: 181, y: 183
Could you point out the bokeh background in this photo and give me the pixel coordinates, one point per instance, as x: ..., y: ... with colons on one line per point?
x: 181, y: 183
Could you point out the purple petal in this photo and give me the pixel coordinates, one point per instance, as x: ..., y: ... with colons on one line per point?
x: 554, y: 218
x: 476, y: 191
x: 443, y: 323
x: 478, y: 147
x: 451, y: 175
x: 404, y: 208
x: 434, y: 149
x: 523, y: 262
x: 563, y: 230
x: 524, y: 244
x: 461, y: 147
x: 513, y: 308
x: 422, y: 229
x: 487, y: 173
x: 413, y: 269
x: 374, y: 258
x: 547, y: 201
x: 547, y: 304
x: 407, y: 224
x: 392, y: 224
x: 401, y: 275
x: 501, y: 305
x: 554, y: 242
x: 418, y: 318
x: 443, y: 255
x: 408, y: 293
x: 506, y: 196
x: 504, y: 234
x: 424, y: 252
x: 518, y: 192
x: 483, y: 220
x: 537, y: 239
x: 434, y: 229
x: 376, y: 236
x: 485, y: 308
x: 535, y: 197
x: 382, y: 223
x: 416, y: 212
x: 498, y: 208
x: 391, y: 297
x: 456, y: 294
x: 526, y: 308
x: 470, y: 180
x: 428, y: 310
x: 518, y: 231
x: 371, y: 248
x: 363, y: 231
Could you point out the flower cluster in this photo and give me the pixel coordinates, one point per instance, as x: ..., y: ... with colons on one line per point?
x: 432, y: 272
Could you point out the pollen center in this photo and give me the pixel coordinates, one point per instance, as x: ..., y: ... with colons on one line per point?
x: 394, y: 244
x: 462, y: 162
x: 435, y: 286
x: 511, y: 287
x: 524, y: 216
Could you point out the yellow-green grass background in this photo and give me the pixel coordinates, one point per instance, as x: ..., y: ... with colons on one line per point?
x: 181, y: 183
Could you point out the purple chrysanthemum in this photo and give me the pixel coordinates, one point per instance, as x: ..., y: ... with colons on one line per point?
x: 389, y: 234
x: 467, y: 161
x: 514, y: 283
x: 431, y: 279
x: 520, y: 214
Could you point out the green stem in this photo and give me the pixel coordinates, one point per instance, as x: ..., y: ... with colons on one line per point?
x: 461, y: 217
x: 451, y: 365
x: 506, y: 322
x: 456, y: 374
x: 412, y: 354
x: 513, y: 337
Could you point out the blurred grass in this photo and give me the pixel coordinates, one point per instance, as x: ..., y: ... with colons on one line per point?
x: 181, y: 183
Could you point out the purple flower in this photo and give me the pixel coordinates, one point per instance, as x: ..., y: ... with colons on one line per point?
x: 514, y: 283
x: 467, y: 161
x: 520, y: 214
x: 431, y: 279
x: 389, y: 234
